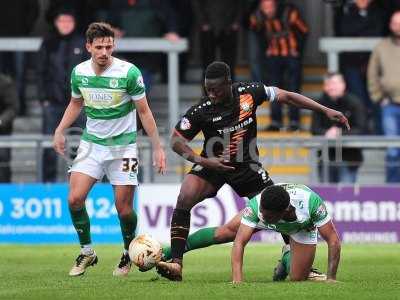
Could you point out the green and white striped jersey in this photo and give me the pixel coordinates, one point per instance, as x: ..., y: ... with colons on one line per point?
x: 110, y: 111
x: 309, y: 207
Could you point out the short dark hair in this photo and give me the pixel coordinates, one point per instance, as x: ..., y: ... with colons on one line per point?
x: 98, y: 30
x: 275, y: 198
x: 332, y: 74
x: 218, y: 69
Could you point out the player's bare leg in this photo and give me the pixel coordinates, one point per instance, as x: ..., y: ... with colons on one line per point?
x: 206, y: 237
x: 80, y: 185
x: 302, y: 258
x: 284, y: 266
x: 194, y: 189
x: 123, y: 195
x: 227, y: 232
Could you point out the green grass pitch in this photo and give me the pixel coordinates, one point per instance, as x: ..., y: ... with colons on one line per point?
x: 41, y: 272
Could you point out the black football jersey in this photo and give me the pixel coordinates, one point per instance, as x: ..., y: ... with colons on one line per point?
x: 229, y: 128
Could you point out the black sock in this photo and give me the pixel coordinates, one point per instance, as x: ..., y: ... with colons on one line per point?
x: 286, y: 238
x: 180, y: 225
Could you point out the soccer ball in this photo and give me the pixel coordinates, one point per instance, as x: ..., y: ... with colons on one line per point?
x: 145, y: 252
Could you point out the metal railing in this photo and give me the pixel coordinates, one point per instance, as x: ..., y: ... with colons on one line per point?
x: 37, y: 143
x: 333, y: 46
x: 172, y: 49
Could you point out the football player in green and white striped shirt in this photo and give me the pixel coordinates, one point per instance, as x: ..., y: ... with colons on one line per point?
x: 110, y: 91
x: 294, y: 210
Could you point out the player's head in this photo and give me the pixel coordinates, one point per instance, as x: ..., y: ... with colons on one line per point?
x: 274, y: 203
x: 217, y: 81
x: 100, y: 42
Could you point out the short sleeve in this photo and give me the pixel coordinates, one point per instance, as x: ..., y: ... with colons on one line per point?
x: 318, y: 213
x: 270, y: 93
x: 250, y: 215
x: 135, y: 85
x: 259, y: 91
x: 189, y: 125
x: 75, y: 92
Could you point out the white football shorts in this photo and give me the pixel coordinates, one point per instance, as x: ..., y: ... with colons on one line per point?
x: 306, y: 237
x: 119, y: 163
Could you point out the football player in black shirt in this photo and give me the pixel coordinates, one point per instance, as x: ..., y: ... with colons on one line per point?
x: 227, y: 118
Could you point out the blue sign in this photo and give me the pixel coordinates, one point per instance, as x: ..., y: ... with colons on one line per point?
x: 38, y: 213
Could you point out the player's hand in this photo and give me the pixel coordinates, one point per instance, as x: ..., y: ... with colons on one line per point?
x: 159, y: 160
x: 337, y: 116
x: 216, y: 163
x: 59, y: 143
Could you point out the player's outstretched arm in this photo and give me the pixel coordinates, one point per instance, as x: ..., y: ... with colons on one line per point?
x: 180, y: 146
x: 305, y: 102
x: 329, y: 234
x: 149, y: 125
x: 70, y: 115
x: 242, y: 238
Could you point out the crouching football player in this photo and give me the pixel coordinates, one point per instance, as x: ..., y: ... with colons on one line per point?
x: 297, y: 211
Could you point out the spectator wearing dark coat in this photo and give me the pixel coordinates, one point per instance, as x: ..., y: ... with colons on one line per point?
x: 219, y: 23
x: 343, y: 165
x: 83, y: 12
x: 141, y: 19
x: 363, y: 18
x: 8, y: 111
x: 182, y: 10
x: 17, y: 21
x: 255, y: 44
x: 58, y: 54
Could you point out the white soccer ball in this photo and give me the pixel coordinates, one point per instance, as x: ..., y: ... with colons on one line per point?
x: 145, y: 252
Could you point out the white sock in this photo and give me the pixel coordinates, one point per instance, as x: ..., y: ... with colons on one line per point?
x: 87, y: 249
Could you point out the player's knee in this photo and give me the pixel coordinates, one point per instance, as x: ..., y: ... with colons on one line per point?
x: 124, y: 213
x: 184, y: 201
x: 76, y: 201
x: 123, y: 209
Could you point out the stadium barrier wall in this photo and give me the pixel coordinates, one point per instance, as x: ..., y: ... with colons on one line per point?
x: 38, y: 213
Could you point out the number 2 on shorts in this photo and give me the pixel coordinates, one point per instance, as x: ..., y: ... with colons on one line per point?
x: 130, y: 165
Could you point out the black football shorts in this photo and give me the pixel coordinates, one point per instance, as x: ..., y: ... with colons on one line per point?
x: 247, y: 180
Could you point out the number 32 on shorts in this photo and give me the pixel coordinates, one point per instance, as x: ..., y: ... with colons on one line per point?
x: 130, y: 165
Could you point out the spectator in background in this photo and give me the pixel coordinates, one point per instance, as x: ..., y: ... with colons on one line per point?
x: 8, y: 111
x: 284, y: 35
x: 17, y: 21
x: 336, y: 97
x: 254, y: 41
x: 81, y: 8
x: 363, y: 18
x: 59, y: 53
x: 219, y: 23
x: 140, y: 19
x: 384, y: 88
x: 389, y: 7
x: 183, y: 14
